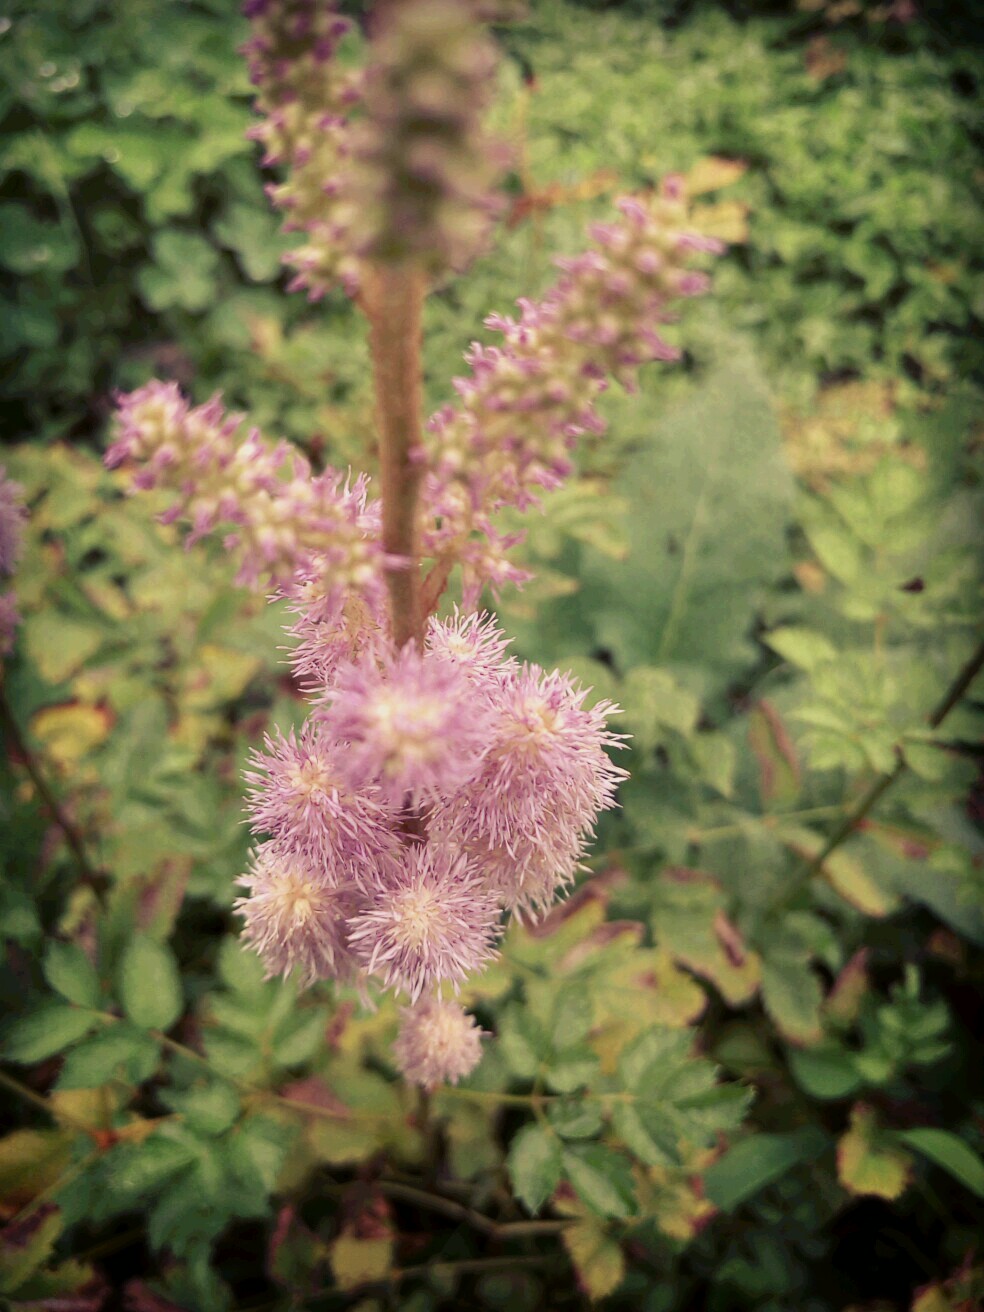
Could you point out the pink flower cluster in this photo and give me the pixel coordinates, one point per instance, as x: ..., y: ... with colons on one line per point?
x: 438, y: 788
x: 526, y: 402
x: 429, y: 792
x: 385, y: 155
x: 291, y: 530
x: 12, y: 517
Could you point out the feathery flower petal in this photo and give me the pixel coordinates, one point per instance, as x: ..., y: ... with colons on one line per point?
x: 298, y: 796
x: 412, y: 722
x: 434, y: 922
x: 294, y: 919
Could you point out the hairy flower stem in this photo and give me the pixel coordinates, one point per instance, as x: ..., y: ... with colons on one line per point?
x: 393, y: 299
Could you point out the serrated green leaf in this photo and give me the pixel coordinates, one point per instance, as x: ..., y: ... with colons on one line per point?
x: 602, y: 1179
x: 571, y: 1069
x: 207, y: 1109
x: 801, y: 646
x: 301, y: 1037
x: 534, y: 1164
x: 44, y: 1032
x: 150, y: 987
x: 521, y: 1042
x: 70, y: 972
x: 577, y: 1119
x: 117, y: 1052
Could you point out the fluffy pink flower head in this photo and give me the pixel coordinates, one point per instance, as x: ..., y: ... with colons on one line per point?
x: 295, y: 919
x: 474, y: 643
x: 438, y: 1043
x: 298, y: 796
x: 434, y: 922
x: 413, y: 725
x: 545, y: 776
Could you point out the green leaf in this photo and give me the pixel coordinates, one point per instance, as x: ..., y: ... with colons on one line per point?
x: 534, y: 1164
x: 950, y: 1152
x: 301, y: 1036
x: 208, y: 1109
x: 747, y: 1167
x: 571, y: 1069
x: 150, y: 988
x: 802, y: 647
x: 792, y: 995
x: 577, y: 1119
x: 713, y: 478
x: 47, y: 1031
x: 117, y: 1052
x: 824, y: 1073
x: 653, y: 700
x: 521, y: 1042
x: 602, y: 1179
x: 185, y: 273
x: 70, y: 972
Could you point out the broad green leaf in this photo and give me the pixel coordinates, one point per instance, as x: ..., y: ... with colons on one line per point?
x: 801, y: 646
x: 521, y: 1042
x: 577, y: 1119
x: 150, y: 988
x: 301, y: 1037
x: 601, y: 1178
x: 70, y: 972
x: 206, y: 1109
x: 748, y: 1166
x: 708, y: 498
x: 571, y: 1069
x: 793, y: 996
x: 824, y: 1072
x: 119, y: 1051
x: 27, y: 1245
x: 950, y: 1152
x: 534, y: 1164
x: 653, y: 700
x: 44, y: 1032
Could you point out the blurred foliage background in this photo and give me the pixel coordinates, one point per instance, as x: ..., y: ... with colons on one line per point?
x: 772, y: 562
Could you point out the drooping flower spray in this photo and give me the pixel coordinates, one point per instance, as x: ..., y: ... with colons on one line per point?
x: 437, y: 786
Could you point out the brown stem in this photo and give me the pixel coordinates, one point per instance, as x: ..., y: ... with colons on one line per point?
x: 73, y: 838
x: 458, y: 1212
x: 884, y: 781
x: 393, y: 300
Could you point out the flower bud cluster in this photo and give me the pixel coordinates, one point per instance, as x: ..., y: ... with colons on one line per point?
x: 307, y: 99
x: 519, y: 414
x: 425, y: 172
x: 308, y: 536
x: 12, y: 517
x: 387, y: 161
x: 430, y: 792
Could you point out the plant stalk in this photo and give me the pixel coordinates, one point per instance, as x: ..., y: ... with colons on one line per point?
x: 393, y: 300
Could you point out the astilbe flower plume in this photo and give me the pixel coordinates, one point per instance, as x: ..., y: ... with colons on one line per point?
x: 437, y: 786
x: 520, y: 412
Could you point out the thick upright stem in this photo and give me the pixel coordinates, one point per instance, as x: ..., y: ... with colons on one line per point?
x: 393, y: 299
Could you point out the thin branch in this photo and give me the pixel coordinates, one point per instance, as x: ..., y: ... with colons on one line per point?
x: 884, y: 781
x: 458, y: 1212
x: 45, y: 1104
x: 90, y: 873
